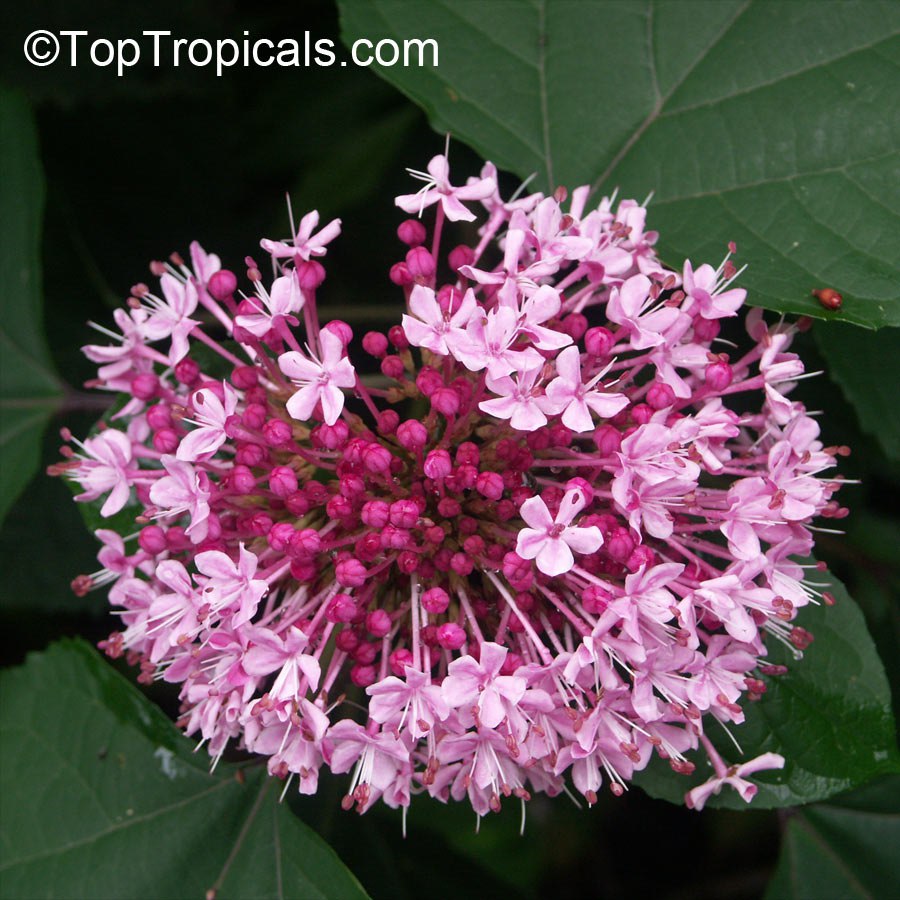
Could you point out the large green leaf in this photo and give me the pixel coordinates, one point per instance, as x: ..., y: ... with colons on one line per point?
x: 865, y: 365
x: 103, y: 797
x: 844, y: 849
x: 776, y: 125
x: 829, y: 716
x: 29, y: 388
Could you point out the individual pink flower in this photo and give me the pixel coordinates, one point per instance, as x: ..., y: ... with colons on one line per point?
x: 183, y: 490
x: 432, y: 328
x: 307, y: 242
x: 104, y: 467
x: 231, y: 586
x: 733, y: 776
x: 646, y: 321
x: 269, y: 652
x: 438, y: 189
x: 704, y: 287
x: 489, y: 344
x: 170, y: 318
x: 320, y: 380
x: 278, y: 304
x: 520, y: 399
x: 578, y: 399
x: 413, y: 704
x: 551, y: 541
x: 210, y: 416
x: 478, y: 685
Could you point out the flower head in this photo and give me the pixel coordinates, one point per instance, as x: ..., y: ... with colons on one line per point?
x: 545, y: 542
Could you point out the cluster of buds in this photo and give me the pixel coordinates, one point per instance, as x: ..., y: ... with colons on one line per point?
x: 548, y: 540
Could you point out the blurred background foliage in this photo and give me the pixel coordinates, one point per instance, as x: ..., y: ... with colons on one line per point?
x: 139, y: 166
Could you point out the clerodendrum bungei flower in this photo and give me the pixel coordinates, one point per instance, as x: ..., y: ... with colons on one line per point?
x: 550, y: 540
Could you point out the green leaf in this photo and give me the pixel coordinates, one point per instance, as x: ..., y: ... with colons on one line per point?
x: 770, y: 124
x: 865, y: 366
x: 846, y: 849
x: 30, y: 390
x: 104, y: 798
x: 829, y: 716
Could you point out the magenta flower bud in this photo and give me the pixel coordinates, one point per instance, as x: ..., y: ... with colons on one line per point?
x: 187, y: 371
x: 340, y: 330
x: 399, y: 275
x: 310, y: 274
x: 342, y: 608
x: 279, y: 536
x: 607, y: 439
x: 660, y: 396
x: 305, y: 542
x: 489, y: 485
x: 412, y: 232
x: 412, y: 435
x: 705, y: 330
x: 222, y: 284
x: 351, y: 486
x: 363, y: 676
x: 377, y: 459
x: 465, y: 477
x: 392, y: 367
x: 641, y: 413
x: 365, y: 652
x: 460, y: 256
x: 260, y: 524
x: 152, y: 540
x: 316, y: 493
x: 595, y: 599
x: 445, y: 401
x: 642, y: 556
x: 718, y: 376
x: 404, y: 513
x: 449, y: 299
x: 282, y: 481
x: 339, y: 508
x: 408, y: 562
x: 297, y: 504
x: 574, y: 325
x: 398, y: 662
x: 166, y: 440
x: 467, y: 454
x: 250, y: 455
x: 159, y: 416
x: 435, y: 601
x: 144, y: 386
x: 461, y: 564
x: 254, y: 416
x: 599, y: 341
x: 450, y: 636
x: 474, y: 545
x: 177, y: 540
x: 579, y: 484
x: 506, y: 510
x: 350, y: 573
x: 277, y: 432
x: 620, y: 545
x: 331, y: 437
x: 420, y: 264
x: 397, y: 337
x: 428, y: 381
x: 449, y: 508
x: 517, y: 571
x: 438, y: 465
x: 393, y: 538
x: 376, y: 513
x: 375, y: 344
x: 388, y: 422
x: 511, y: 664
x: 242, y: 480
x: 435, y: 534
x: 347, y: 641
x: 244, y: 377
x: 378, y: 623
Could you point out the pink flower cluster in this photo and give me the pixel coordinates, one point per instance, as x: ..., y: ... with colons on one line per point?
x: 550, y: 539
